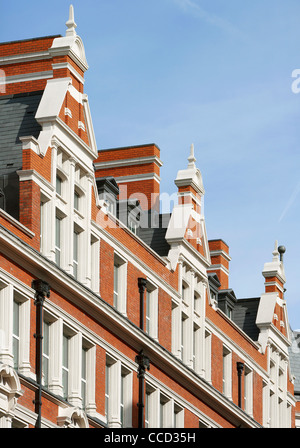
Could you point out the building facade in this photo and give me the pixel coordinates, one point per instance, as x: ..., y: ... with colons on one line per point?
x: 113, y: 314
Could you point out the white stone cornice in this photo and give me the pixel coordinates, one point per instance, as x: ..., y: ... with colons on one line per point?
x: 35, y: 76
x: 214, y: 253
x: 25, y: 57
x: 16, y: 223
x: 138, y: 178
x: 218, y: 267
x: 128, y: 162
x: 25, y: 175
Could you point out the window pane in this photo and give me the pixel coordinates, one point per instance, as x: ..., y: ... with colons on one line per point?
x: 83, y: 377
x: 76, y: 200
x: 16, y: 353
x: 57, y: 232
x: 57, y: 239
x: 45, y: 353
x: 83, y: 365
x: 147, y: 409
x: 65, y: 366
x: 46, y: 338
x: 58, y: 185
x: 75, y: 254
x: 116, y: 285
x: 106, y: 390
x: 148, y: 298
x: 122, y: 401
x: 16, y: 312
x: 65, y: 351
x: 65, y: 380
x: 16, y: 332
x: 161, y: 424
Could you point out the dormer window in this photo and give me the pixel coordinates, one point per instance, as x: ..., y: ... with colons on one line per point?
x: 214, y: 285
x: 227, y: 301
x: 111, y: 206
x: 132, y: 225
x: 108, y: 191
x: 228, y: 311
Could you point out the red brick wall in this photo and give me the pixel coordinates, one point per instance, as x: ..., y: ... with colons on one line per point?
x: 106, y: 272
x: 30, y: 200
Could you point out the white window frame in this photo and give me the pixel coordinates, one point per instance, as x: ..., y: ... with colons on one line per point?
x: 152, y: 310
x: 58, y: 329
x: 207, y: 355
x: 16, y: 332
x: 248, y: 390
x: 65, y: 365
x: 118, y: 394
x: 227, y: 372
x: 185, y: 292
x: 58, y: 239
x: 46, y: 352
x: 76, y: 200
x: 184, y: 326
x: 59, y: 185
x: 95, y: 263
x: 83, y: 376
x: 162, y: 410
x: 8, y: 293
x: 45, y: 218
x: 77, y: 252
x: 120, y: 288
x: 196, y: 363
x: 24, y: 329
x: 197, y: 303
x: 176, y: 334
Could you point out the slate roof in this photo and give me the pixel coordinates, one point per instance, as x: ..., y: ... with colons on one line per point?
x: 16, y: 120
x: 244, y: 315
x: 155, y: 236
x: 294, y: 352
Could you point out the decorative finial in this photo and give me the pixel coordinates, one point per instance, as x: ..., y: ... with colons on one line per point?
x: 275, y: 252
x: 281, y: 250
x: 192, y: 158
x: 71, y: 25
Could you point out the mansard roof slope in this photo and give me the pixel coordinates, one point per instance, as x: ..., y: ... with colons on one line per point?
x: 244, y: 315
x: 294, y: 354
x: 17, y: 119
x: 155, y: 236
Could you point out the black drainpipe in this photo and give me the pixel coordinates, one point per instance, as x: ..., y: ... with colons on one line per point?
x: 143, y: 364
x: 42, y: 290
x: 142, y: 282
x: 240, y: 368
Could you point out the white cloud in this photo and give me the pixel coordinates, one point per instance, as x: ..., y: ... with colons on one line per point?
x: 290, y: 201
x: 193, y: 8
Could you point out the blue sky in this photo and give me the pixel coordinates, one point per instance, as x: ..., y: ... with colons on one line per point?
x: 214, y: 73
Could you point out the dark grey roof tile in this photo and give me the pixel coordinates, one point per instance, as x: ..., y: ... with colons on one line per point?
x: 244, y: 315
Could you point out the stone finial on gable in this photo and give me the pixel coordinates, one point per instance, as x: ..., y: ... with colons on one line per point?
x: 71, y: 25
x: 71, y: 44
x: 275, y: 252
x: 191, y: 176
x: 274, y: 272
x: 192, y: 158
